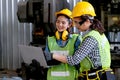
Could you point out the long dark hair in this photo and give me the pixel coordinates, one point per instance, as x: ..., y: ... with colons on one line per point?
x: 96, y: 24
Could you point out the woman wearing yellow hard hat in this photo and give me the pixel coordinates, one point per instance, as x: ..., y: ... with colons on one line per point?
x: 94, y: 52
x: 65, y: 43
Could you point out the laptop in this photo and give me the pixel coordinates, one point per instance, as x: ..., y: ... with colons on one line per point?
x: 28, y: 53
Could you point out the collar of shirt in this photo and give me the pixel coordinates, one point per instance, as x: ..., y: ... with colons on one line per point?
x: 84, y: 33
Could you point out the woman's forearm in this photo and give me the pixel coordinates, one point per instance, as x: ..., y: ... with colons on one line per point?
x: 60, y: 57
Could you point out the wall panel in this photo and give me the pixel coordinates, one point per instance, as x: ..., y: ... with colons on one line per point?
x: 12, y: 33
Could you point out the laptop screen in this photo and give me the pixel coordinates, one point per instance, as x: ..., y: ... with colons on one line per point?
x: 28, y: 53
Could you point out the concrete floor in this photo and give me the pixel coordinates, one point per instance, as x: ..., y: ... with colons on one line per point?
x: 7, y: 73
x: 117, y: 73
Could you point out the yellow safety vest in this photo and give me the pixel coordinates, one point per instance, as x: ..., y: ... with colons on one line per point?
x: 104, y: 49
x: 62, y: 71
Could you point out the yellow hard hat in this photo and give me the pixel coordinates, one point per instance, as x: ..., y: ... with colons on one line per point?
x: 83, y: 8
x: 66, y: 12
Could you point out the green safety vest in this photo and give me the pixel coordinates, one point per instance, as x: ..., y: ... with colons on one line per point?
x: 104, y: 49
x: 62, y: 71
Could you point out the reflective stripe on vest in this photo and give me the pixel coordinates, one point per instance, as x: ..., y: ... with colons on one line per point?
x: 62, y: 71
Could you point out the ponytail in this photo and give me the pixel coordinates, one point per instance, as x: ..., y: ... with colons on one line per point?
x: 97, y: 25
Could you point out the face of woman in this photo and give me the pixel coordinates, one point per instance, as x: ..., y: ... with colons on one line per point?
x: 82, y: 27
x: 62, y: 23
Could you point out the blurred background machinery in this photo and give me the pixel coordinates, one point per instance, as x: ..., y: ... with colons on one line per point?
x: 42, y: 14
x: 31, y: 11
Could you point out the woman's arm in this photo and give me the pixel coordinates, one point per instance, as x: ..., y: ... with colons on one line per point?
x: 63, y: 58
x: 85, y: 49
x: 59, y: 57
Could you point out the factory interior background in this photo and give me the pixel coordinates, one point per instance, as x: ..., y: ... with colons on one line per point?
x: 16, y: 29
